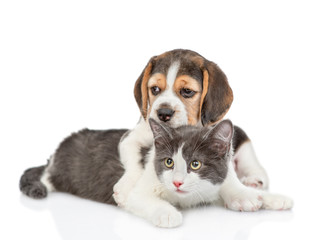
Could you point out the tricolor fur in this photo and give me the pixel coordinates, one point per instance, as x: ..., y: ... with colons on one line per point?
x: 181, y: 87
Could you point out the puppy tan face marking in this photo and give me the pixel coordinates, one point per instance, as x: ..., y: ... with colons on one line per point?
x: 164, y: 104
x: 192, y: 89
x: 174, y: 99
x: 156, y: 85
x: 189, y: 92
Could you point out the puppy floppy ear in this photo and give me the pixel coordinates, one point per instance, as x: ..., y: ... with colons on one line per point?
x: 141, y: 88
x: 217, y: 96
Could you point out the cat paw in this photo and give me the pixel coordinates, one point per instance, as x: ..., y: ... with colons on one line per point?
x: 257, y: 182
x: 245, y: 200
x: 167, y: 218
x: 277, y: 202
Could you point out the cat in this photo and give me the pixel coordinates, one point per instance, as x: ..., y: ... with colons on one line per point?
x: 185, y: 167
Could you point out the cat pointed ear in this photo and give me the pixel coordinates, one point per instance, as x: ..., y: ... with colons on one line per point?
x: 221, y: 137
x: 160, y: 133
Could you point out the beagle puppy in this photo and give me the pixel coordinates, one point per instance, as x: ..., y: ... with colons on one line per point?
x: 181, y: 87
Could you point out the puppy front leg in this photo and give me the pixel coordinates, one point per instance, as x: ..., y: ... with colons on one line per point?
x: 130, y: 157
x: 249, y: 170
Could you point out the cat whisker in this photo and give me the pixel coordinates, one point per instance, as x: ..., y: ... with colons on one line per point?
x: 200, y: 197
x: 190, y: 185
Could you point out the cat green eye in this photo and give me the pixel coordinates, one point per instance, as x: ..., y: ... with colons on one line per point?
x: 169, y: 162
x: 195, y: 165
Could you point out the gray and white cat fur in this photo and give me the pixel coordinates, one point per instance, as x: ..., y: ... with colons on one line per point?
x: 185, y: 167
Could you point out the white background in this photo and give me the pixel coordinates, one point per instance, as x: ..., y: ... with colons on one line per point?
x: 66, y: 65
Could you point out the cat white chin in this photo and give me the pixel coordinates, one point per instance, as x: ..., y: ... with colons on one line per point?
x: 180, y: 191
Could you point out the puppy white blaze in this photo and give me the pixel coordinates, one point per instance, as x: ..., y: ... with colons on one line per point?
x: 172, y: 74
x: 170, y: 80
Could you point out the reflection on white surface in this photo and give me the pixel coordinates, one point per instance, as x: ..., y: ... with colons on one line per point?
x: 76, y: 218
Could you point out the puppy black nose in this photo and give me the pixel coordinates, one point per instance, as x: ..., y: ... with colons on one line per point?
x: 165, y: 114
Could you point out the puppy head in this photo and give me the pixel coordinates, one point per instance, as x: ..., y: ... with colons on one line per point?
x: 182, y: 87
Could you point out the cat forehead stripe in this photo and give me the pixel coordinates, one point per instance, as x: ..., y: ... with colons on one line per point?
x: 180, y: 165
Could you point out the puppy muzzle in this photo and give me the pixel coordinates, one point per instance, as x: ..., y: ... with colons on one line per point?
x: 165, y: 114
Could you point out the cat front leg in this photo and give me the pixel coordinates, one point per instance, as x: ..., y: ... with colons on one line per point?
x: 238, y: 197
x: 276, y: 201
x: 144, y: 200
x: 130, y: 156
x: 157, y: 211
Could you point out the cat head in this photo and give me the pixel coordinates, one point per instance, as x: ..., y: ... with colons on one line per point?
x: 191, y: 159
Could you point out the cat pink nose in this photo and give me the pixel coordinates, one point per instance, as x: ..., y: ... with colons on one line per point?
x: 177, y: 184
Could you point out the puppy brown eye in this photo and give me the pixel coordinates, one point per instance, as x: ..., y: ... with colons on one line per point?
x: 155, y: 90
x: 187, y: 93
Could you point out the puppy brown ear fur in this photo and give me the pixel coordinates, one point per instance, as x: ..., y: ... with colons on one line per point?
x: 217, y: 96
x: 141, y: 88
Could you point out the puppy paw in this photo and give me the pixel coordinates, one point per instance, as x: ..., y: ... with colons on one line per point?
x: 120, y: 199
x: 122, y: 189
x: 246, y: 200
x: 120, y: 193
x: 258, y: 182
x: 167, y: 218
x: 276, y: 202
